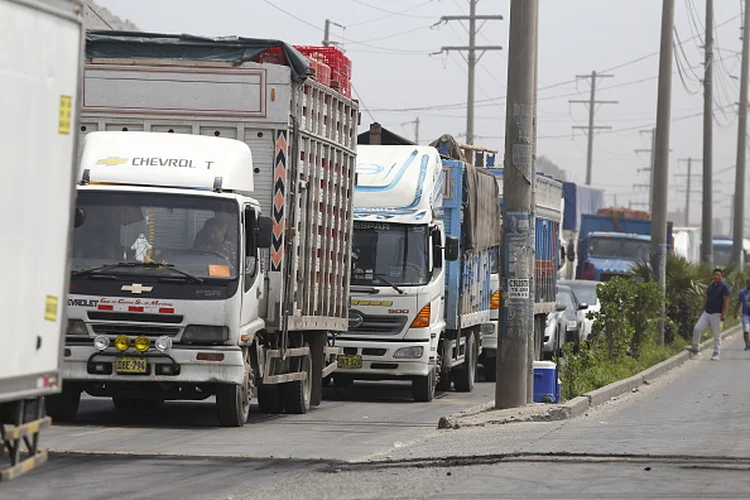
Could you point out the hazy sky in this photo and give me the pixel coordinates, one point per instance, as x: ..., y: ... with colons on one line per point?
x: 390, y: 43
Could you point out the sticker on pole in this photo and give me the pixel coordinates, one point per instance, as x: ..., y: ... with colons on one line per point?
x: 518, y: 289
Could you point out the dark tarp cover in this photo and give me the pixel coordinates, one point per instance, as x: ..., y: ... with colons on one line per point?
x: 482, y: 222
x: 237, y: 50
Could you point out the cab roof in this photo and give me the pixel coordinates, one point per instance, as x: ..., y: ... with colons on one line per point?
x: 166, y: 160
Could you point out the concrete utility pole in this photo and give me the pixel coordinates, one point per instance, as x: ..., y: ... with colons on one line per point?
x: 592, y: 102
x: 739, y: 181
x: 689, y: 177
x: 661, y: 157
x: 513, y: 370
x: 414, y: 122
x: 471, y: 58
x: 707, y: 238
x: 650, y: 168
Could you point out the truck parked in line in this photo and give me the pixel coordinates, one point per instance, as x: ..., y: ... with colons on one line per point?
x: 215, y: 265
x: 611, y: 244
x: 548, y: 217
x: 420, y: 294
x: 578, y: 200
x: 40, y: 80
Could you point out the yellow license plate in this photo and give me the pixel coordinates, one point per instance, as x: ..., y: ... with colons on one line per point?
x: 345, y: 361
x: 131, y: 365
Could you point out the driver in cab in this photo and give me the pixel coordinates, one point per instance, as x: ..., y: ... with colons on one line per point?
x: 213, y: 237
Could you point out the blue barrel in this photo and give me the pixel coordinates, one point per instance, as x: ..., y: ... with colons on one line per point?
x: 546, y: 387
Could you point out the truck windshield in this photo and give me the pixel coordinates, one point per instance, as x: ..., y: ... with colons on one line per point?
x: 722, y: 254
x: 396, y: 252
x: 195, y: 234
x: 619, y: 248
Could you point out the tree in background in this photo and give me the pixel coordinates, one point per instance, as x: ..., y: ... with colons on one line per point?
x: 547, y: 166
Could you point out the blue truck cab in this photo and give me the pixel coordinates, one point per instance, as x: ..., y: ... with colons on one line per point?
x: 610, y: 246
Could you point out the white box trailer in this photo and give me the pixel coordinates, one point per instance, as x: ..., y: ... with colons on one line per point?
x: 40, y: 68
x: 302, y: 136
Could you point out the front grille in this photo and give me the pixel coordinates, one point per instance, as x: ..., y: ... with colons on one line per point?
x: 380, y: 325
x: 148, y: 331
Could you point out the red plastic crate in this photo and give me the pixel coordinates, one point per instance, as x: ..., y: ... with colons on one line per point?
x: 341, y: 66
x: 273, y: 55
x: 321, y: 71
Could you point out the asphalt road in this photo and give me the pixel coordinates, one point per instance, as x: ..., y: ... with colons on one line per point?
x: 179, y: 451
x: 686, y: 435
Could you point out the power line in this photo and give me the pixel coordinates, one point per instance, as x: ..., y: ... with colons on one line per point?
x: 391, y: 13
x: 92, y: 9
x: 362, y: 104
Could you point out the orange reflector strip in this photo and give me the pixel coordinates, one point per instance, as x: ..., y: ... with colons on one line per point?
x: 135, y: 309
x: 210, y: 356
x: 106, y: 308
x: 423, y: 318
x: 495, y: 300
x: 166, y: 310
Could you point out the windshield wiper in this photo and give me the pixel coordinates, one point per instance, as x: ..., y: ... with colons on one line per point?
x: 381, y: 278
x: 148, y: 265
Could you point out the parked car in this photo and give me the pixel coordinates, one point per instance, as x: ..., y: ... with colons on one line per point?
x: 570, y: 319
x: 585, y: 292
x: 552, y: 338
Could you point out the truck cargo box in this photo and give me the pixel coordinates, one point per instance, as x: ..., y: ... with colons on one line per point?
x: 302, y: 135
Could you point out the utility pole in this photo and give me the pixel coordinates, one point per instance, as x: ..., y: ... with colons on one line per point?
x: 689, y: 177
x: 592, y: 102
x: 513, y: 368
x: 739, y: 182
x: 707, y: 244
x: 650, y: 168
x: 327, y: 33
x: 471, y: 57
x: 414, y: 122
x: 661, y: 158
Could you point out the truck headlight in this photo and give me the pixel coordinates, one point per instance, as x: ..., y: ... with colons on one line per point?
x: 163, y: 344
x: 77, y: 328
x: 414, y: 352
x: 205, y: 334
x: 101, y: 342
x: 572, y: 325
x: 122, y: 343
x: 142, y: 344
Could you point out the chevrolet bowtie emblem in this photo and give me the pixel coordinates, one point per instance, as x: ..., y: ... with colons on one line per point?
x: 136, y: 288
x: 111, y: 161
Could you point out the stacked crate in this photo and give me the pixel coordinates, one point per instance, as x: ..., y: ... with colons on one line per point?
x: 328, y: 65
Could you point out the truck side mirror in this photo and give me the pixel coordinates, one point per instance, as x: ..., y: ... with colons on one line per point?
x: 437, y: 250
x: 79, y: 218
x: 452, y: 248
x: 265, y: 232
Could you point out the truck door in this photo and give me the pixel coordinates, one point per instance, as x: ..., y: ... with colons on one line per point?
x: 251, y: 268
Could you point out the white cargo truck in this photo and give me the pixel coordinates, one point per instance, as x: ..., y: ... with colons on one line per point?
x: 420, y: 294
x: 208, y: 266
x: 40, y: 84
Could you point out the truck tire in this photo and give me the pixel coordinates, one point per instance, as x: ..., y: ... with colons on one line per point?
x: 297, y: 395
x: 269, y: 399
x: 63, y: 407
x: 423, y: 388
x: 317, y: 358
x: 233, y: 401
x: 465, y: 374
x: 489, y: 369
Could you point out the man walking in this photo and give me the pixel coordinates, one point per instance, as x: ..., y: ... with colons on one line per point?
x: 714, y: 313
x: 743, y: 299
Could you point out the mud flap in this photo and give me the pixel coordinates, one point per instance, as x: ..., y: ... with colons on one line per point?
x: 317, y: 341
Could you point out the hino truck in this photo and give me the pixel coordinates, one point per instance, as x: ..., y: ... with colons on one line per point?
x: 40, y: 84
x: 215, y: 255
x: 420, y: 294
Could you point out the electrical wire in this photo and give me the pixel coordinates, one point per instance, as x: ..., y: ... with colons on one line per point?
x: 92, y: 9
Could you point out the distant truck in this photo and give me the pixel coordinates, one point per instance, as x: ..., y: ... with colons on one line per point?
x: 578, y: 200
x: 215, y: 255
x: 40, y: 84
x: 687, y: 243
x: 610, y: 244
x: 420, y: 293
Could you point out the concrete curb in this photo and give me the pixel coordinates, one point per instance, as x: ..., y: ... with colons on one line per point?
x: 576, y: 406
